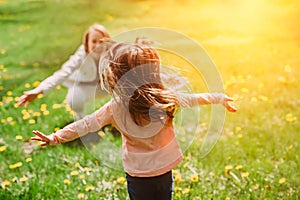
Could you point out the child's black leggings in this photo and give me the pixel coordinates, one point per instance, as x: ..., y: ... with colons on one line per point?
x: 150, y: 188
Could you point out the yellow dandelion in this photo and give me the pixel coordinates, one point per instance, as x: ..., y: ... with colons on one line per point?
x: 16, y: 105
x: 186, y: 165
x: 23, y: 179
x: 212, y: 174
x: 76, y: 165
x: 56, y: 129
x: 3, y: 148
x: 56, y: 106
x: 121, y: 180
x: 19, y: 137
x: 74, y: 173
x: 177, y: 178
x: 16, y: 165
x: 255, y: 187
x: 14, y: 180
x: 268, y: 187
x: 28, y: 159
x: 282, y: 181
x: 3, y: 51
x: 185, y: 190
x: 228, y: 168
x: 58, y: 87
x: 240, y: 136
x: 194, y: 178
x: 36, y: 64
x: 177, y: 188
x: 3, y: 121
x: 43, y: 107
x: 290, y: 147
x: 290, y: 118
x: 82, y: 176
x: 178, y: 195
x: 80, y: 196
x: 1, y: 103
x: 40, y: 96
x: 26, y: 116
x: 263, y: 98
x: 27, y: 85
x: 46, y: 112
x: 109, y: 17
x: 101, y: 134
x: 36, y: 83
x: 9, y: 119
x: 31, y: 121
x: 239, y: 167
x: 89, y: 188
x: 244, y: 174
x: 36, y: 114
x: 227, y: 198
x: 238, y: 129
x: 67, y: 182
x: 6, y: 183
x: 9, y: 93
x: 86, y: 169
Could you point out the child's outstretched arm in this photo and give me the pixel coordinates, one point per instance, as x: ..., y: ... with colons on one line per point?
x: 88, y: 124
x: 190, y: 100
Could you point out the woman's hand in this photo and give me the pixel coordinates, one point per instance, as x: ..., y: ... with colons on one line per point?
x: 45, y: 139
x: 227, y: 104
x: 28, y: 97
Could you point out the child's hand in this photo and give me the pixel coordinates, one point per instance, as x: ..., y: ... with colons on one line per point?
x: 28, y: 97
x: 45, y: 139
x: 227, y: 104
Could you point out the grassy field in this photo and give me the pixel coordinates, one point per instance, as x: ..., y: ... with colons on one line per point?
x: 256, y: 47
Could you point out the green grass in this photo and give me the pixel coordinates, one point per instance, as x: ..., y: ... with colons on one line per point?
x: 256, y: 48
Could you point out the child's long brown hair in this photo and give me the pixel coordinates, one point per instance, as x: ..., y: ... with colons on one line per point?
x: 132, y: 71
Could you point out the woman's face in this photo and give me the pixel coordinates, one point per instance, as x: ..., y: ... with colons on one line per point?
x: 94, y: 40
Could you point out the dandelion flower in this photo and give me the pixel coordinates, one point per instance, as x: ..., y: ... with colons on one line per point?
x: 36, y: 114
x: 16, y: 165
x: 27, y: 85
x: 227, y: 198
x: 23, y: 179
x: 67, y: 182
x: 36, y: 83
x: 31, y: 121
x: 282, y: 181
x: 19, y: 137
x: 80, y: 196
x: 177, y: 178
x: 239, y: 167
x: 194, y: 178
x: 121, y: 180
x: 9, y: 93
x: 56, y: 106
x: 245, y: 174
x: 86, y: 169
x: 2, y: 148
x: 185, y: 190
x: 74, y: 173
x: 46, y: 112
x: 40, y: 96
x: 238, y: 129
x: 101, y: 133
x: 28, y: 159
x: 82, y: 176
x: 228, y: 168
x: 268, y: 187
x: 89, y: 188
x: 290, y: 147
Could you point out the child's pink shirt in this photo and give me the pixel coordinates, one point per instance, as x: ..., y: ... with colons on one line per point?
x: 147, y: 151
